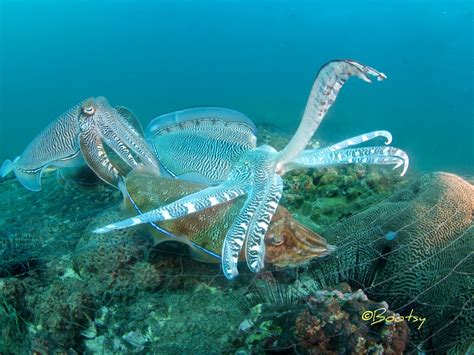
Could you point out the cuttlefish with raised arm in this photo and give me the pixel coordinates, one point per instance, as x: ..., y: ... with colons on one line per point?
x: 89, y: 133
x: 257, y: 172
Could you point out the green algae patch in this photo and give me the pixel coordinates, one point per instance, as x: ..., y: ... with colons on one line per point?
x: 265, y: 330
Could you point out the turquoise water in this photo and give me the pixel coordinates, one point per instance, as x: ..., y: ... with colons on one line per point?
x: 259, y: 57
x: 406, y: 241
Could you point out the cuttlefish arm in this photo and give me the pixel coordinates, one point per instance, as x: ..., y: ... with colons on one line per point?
x: 102, y: 160
x: 97, y: 158
x: 56, y: 145
x: 255, y: 242
x: 250, y: 227
x: 111, y: 140
x: 312, y: 158
x: 131, y: 120
x: 362, y: 138
x: 329, y: 80
x: 209, y: 197
x: 126, y: 141
x: 338, y: 153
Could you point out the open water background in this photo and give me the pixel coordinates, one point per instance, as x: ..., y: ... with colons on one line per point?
x: 259, y: 57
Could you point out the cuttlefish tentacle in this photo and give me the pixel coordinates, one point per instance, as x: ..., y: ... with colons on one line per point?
x: 329, y: 80
x: 313, y: 158
x: 56, y: 145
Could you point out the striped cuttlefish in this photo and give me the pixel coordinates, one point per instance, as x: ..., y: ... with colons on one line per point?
x: 109, y: 140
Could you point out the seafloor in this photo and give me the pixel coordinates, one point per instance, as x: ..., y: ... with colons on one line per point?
x: 63, y: 288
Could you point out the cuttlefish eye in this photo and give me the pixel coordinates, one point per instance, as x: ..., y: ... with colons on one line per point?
x: 277, y: 239
x: 88, y: 110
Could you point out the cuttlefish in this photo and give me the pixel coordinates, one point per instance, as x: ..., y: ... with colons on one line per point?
x: 108, y: 140
x: 287, y: 242
x: 257, y: 171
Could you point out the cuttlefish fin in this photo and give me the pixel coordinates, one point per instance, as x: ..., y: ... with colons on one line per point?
x: 187, y: 119
x: 131, y: 119
x: 203, y: 255
x: 31, y: 179
x: 7, y: 167
x: 196, y: 252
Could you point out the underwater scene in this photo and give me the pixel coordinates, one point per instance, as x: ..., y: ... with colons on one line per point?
x: 236, y: 177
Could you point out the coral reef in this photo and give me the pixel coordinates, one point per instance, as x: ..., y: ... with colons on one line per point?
x: 322, y: 322
x: 323, y: 197
x: 415, y: 251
